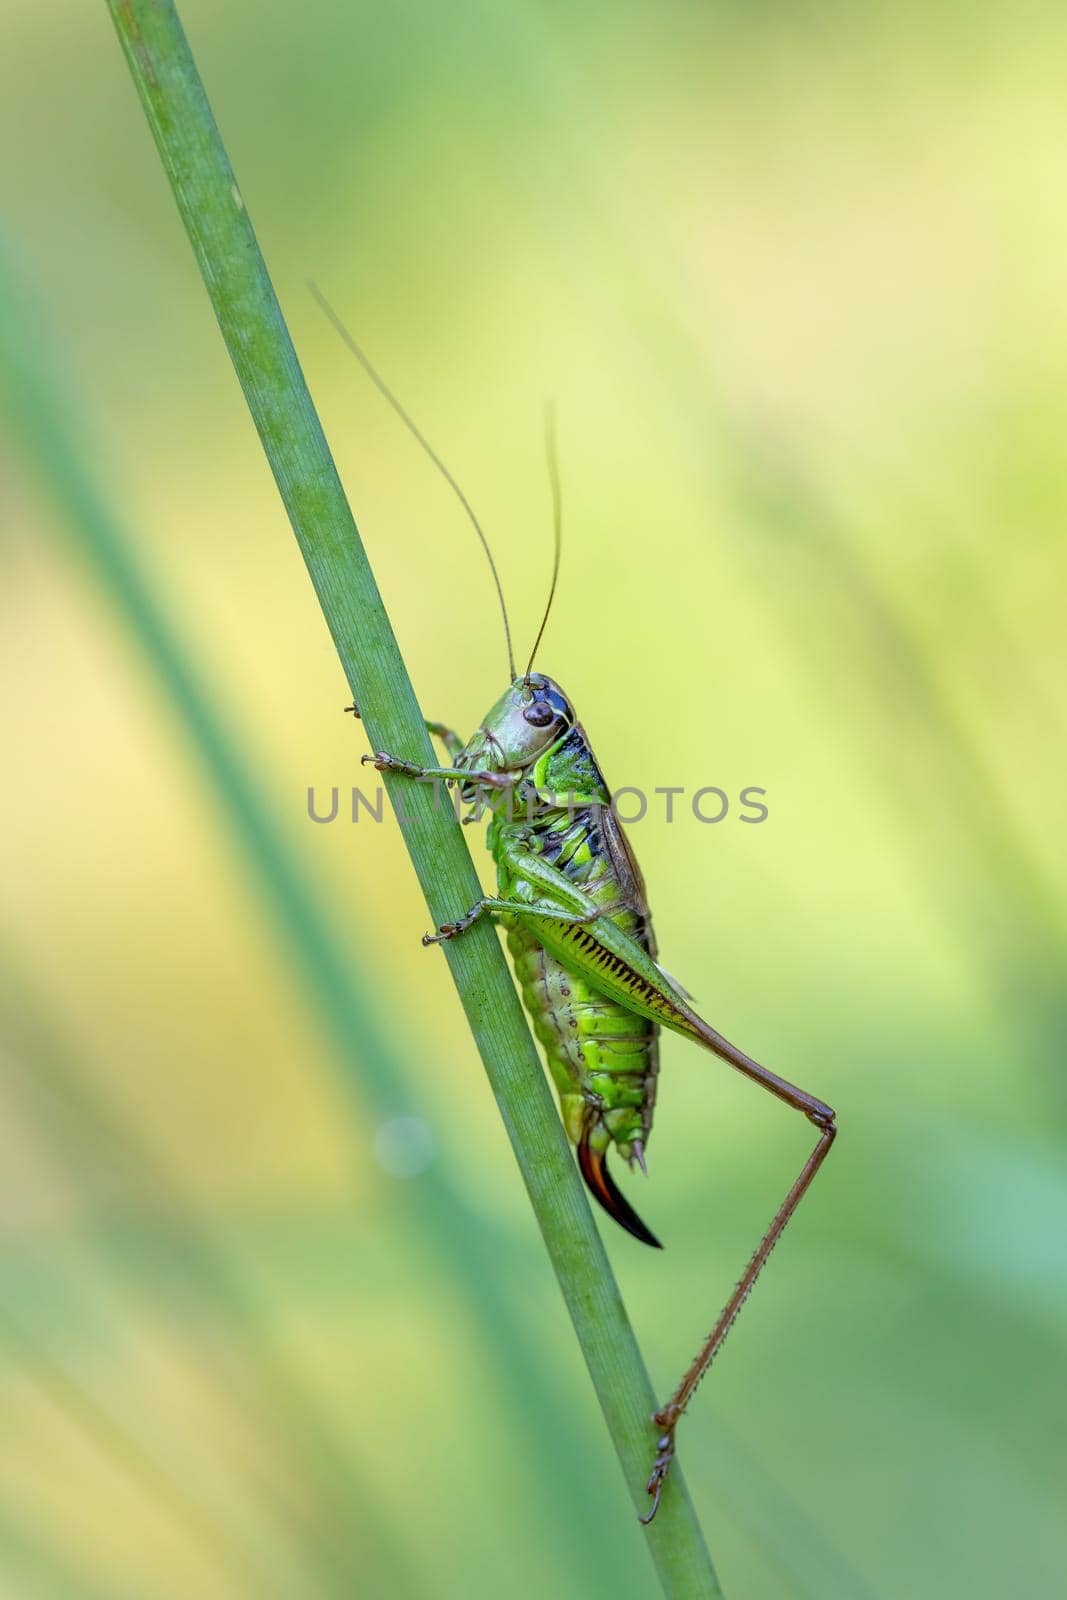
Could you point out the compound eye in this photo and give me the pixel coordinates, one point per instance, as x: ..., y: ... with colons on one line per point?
x: 539, y: 713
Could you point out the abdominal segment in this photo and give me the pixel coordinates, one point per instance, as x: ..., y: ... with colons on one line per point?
x: 603, y: 1059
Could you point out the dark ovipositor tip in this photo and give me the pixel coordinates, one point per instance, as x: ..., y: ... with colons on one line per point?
x: 593, y: 1166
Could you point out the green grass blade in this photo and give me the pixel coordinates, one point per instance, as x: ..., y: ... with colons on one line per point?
x: 460, y: 1248
x: 219, y: 229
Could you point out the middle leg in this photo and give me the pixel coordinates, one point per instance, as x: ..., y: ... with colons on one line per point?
x: 490, y: 903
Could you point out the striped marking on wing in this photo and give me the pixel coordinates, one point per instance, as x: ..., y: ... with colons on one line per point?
x: 606, y: 961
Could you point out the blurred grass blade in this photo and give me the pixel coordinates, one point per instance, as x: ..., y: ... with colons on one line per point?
x: 109, y: 1162
x: 931, y: 758
x: 41, y: 1568
x: 788, y: 1538
x: 217, y: 222
x: 205, y: 1524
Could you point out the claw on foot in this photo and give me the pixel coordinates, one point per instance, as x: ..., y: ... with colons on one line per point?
x: 385, y: 762
x: 660, y: 1468
x: 447, y: 930
x: 353, y: 708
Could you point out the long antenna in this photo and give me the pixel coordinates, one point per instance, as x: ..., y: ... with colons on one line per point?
x: 557, y: 521
x: 387, y: 394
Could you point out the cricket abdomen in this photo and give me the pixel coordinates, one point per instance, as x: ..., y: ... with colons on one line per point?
x: 603, y: 1059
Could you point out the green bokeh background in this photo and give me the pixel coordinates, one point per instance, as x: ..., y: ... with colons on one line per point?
x: 794, y: 276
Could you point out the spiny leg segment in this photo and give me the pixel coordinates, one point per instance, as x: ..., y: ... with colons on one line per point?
x: 669, y: 1415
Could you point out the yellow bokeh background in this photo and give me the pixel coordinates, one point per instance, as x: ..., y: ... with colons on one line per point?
x: 794, y: 278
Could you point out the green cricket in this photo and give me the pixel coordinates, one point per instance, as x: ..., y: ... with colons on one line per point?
x: 571, y: 897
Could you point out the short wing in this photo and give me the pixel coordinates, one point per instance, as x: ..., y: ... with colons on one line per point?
x: 628, y: 873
